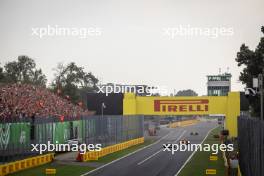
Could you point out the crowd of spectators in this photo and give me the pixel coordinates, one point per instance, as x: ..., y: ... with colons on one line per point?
x: 24, y: 100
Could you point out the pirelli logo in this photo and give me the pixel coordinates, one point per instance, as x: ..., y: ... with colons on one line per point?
x: 190, y: 105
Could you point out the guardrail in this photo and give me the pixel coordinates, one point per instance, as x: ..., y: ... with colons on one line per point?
x: 95, y: 155
x: 182, y: 123
x: 25, y: 164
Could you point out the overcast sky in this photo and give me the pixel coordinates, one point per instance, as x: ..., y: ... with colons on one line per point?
x: 130, y: 44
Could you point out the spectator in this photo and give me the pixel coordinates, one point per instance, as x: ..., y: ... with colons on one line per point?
x: 23, y: 100
x: 233, y: 165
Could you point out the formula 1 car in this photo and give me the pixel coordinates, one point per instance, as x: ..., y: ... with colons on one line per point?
x: 194, y: 133
x: 184, y: 141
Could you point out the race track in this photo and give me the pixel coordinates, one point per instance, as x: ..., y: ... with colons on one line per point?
x: 152, y: 160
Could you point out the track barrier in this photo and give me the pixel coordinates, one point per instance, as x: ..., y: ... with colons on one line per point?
x: 19, y: 165
x: 95, y: 155
x: 182, y: 123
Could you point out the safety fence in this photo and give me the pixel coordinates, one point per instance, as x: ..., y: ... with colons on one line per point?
x: 17, y: 135
x: 251, y: 146
x: 25, y: 164
x: 95, y: 155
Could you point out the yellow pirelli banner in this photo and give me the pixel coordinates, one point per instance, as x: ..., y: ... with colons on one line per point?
x: 196, y: 105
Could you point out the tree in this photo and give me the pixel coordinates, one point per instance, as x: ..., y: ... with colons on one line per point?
x: 187, y: 92
x: 71, y: 80
x: 38, y: 78
x: 23, y: 71
x: 253, y: 64
x: 2, y: 76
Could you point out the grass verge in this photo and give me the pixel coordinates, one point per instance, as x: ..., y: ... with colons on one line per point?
x: 200, y: 160
x: 61, y: 169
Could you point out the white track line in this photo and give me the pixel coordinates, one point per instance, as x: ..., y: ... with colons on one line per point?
x: 193, y: 152
x: 180, y: 136
x: 154, y: 154
x: 151, y: 156
x: 98, y: 168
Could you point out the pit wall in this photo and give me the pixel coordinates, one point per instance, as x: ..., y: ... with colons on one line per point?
x: 208, y: 105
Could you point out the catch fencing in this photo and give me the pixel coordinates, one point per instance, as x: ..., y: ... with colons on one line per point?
x: 251, y: 146
x: 17, y: 135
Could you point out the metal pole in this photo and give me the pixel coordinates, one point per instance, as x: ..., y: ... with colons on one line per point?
x: 101, y: 120
x: 102, y: 106
x: 261, y: 95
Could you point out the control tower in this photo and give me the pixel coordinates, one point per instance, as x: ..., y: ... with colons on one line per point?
x: 219, y: 85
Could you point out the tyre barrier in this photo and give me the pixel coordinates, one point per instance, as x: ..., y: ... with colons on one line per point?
x: 182, y: 123
x: 19, y: 165
x: 95, y: 155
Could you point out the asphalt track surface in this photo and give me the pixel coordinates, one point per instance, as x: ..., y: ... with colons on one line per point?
x: 152, y: 160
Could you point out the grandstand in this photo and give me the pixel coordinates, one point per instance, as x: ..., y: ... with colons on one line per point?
x: 24, y: 100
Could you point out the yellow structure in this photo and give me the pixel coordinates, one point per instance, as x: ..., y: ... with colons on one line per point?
x: 199, y: 105
x: 213, y: 158
x: 50, y: 171
x: 19, y: 165
x: 183, y: 123
x: 210, y: 171
x: 95, y: 155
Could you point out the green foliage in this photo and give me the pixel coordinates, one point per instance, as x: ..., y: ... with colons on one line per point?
x: 1, y: 74
x: 187, y: 92
x: 200, y: 160
x: 252, y: 63
x: 22, y: 71
x: 61, y: 170
x: 71, y: 80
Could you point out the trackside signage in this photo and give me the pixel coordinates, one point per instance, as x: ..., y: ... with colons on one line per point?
x: 182, y: 106
x: 228, y: 106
